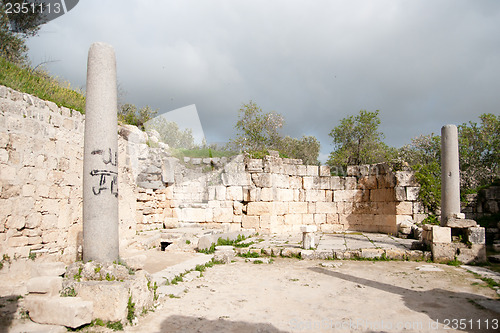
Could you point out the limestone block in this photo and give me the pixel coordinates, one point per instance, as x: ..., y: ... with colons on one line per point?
x: 332, y: 218
x: 367, y: 182
x: 290, y: 169
x: 18, y: 241
x: 324, y: 171
x: 315, y: 195
x: 234, y: 193
x: 404, y: 208
x: 312, y: 170
x: 336, y: 183
x: 237, y: 208
x: 319, y: 219
x: 301, y: 170
x: 348, y: 195
x: 260, y: 208
x: 254, y: 165
x: 476, y: 235
x: 236, y: 179
x: 325, y: 183
x: 223, y: 214
x: 293, y: 219
x: 326, y: 207
x: 15, y: 222
x: 400, y: 193
x: 295, y: 182
x: 297, y: 208
x: 66, y: 311
x: 280, y: 181
x: 254, y: 194
x: 459, y: 223
x: 443, y: 252
x: 386, y: 181
x: 412, y: 193
x: 475, y: 253
x: 382, y: 195
x: 440, y: 234
x: 350, y: 183
x: 309, y: 183
x: 372, y: 253
x: 405, y: 178
x: 262, y: 179
x: 110, y: 298
x: 268, y: 194
x: 48, y: 285
x: 250, y: 222
x: 285, y: 194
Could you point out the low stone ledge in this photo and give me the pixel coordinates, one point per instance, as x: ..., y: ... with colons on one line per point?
x: 71, y: 312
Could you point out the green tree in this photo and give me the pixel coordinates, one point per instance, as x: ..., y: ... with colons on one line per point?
x: 479, y: 146
x: 129, y: 114
x: 357, y: 140
x: 171, y: 134
x: 306, y: 148
x: 15, y: 28
x: 258, y: 131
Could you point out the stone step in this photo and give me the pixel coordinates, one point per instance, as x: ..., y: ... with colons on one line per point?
x: 71, y: 312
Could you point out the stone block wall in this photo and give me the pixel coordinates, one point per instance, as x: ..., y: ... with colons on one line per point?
x: 275, y: 195
x: 41, y: 155
x: 41, y: 165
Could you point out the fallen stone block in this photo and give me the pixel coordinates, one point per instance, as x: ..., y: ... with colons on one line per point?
x: 48, y: 285
x: 71, y: 312
x: 31, y: 327
x: 136, y: 262
x: 395, y: 254
x: 109, y: 298
x: 476, y: 235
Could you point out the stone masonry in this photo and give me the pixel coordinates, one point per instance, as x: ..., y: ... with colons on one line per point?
x: 41, y: 159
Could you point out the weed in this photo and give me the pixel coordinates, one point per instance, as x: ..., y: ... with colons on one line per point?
x: 188, y: 241
x: 258, y: 262
x: 110, y: 277
x: 249, y: 255
x: 115, y: 325
x: 68, y: 292
x: 130, y: 310
x: 177, y: 279
x: 173, y: 296
x: 78, y: 276
x: 97, y: 269
x: 454, y: 262
x: 97, y: 322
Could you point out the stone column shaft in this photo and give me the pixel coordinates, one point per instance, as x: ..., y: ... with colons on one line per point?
x: 450, y: 173
x: 100, y: 158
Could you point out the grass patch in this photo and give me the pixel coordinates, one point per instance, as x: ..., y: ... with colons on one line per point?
x: 201, y: 153
x: 257, y: 262
x: 249, y: 255
x: 454, y: 262
x: 41, y: 85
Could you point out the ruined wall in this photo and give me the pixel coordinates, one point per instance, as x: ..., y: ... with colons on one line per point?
x: 41, y: 164
x: 275, y: 195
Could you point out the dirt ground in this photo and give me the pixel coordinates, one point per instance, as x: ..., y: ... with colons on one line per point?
x: 292, y: 295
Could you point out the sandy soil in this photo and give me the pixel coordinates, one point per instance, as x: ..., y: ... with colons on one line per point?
x: 292, y: 295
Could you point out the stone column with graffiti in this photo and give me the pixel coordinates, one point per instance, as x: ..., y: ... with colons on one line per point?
x: 100, y: 165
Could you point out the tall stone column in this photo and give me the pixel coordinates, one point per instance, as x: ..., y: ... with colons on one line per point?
x: 450, y: 174
x: 100, y: 158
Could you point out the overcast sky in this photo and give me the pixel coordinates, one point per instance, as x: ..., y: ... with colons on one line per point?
x: 422, y: 63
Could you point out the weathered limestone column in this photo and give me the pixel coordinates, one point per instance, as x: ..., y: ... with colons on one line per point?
x: 450, y: 174
x: 100, y: 167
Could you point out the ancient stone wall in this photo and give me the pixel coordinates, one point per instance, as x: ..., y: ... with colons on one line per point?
x: 275, y: 195
x: 41, y: 165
